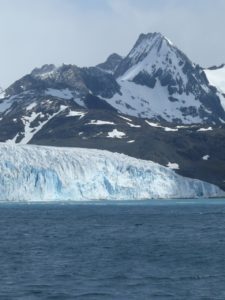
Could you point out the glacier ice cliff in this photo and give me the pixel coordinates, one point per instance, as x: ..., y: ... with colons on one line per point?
x: 38, y: 173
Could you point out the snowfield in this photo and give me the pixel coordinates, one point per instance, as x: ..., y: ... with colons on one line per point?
x: 217, y: 78
x: 36, y: 173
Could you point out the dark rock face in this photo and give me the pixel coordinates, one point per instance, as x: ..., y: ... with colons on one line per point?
x: 143, y: 78
x: 81, y: 81
x: 93, y: 102
x: 111, y: 63
x: 26, y: 83
x: 100, y: 83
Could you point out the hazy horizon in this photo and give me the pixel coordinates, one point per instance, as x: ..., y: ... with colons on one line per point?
x: 85, y: 33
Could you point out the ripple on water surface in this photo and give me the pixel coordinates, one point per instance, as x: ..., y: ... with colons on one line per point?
x: 148, y: 250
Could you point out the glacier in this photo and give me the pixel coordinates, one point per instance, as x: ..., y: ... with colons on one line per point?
x: 40, y: 173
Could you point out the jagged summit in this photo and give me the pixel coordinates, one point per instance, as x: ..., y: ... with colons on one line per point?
x: 151, y: 52
x: 44, y: 71
x: 111, y: 63
x: 159, y: 81
x: 150, y: 40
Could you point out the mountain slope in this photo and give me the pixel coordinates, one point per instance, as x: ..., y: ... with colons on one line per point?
x: 77, y: 174
x: 159, y: 82
x: 216, y: 77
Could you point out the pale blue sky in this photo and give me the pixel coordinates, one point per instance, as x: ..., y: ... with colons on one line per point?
x: 85, y: 32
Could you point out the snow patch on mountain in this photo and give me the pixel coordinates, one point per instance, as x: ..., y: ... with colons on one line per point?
x: 29, y: 130
x: 142, y: 101
x: 31, y: 106
x: 116, y: 134
x: 35, y: 173
x: 173, y: 166
x: 205, y: 129
x: 5, y: 104
x: 206, y: 157
x: 168, y: 129
x: 125, y: 118
x: 133, y: 125
x: 216, y: 78
x: 222, y: 101
x: 100, y: 122
x: 76, y: 114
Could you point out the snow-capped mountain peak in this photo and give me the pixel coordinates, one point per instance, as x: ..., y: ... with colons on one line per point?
x: 159, y: 81
x: 147, y: 43
x: 152, y: 52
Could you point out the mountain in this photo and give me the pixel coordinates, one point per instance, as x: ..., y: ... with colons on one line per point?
x: 155, y: 81
x: 58, y: 173
x: 153, y: 104
x: 159, y: 82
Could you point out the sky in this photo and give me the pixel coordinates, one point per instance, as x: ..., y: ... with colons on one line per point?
x: 86, y: 32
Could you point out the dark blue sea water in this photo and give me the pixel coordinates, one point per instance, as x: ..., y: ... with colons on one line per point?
x: 149, y: 250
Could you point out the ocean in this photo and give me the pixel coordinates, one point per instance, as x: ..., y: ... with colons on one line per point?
x: 171, y: 249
